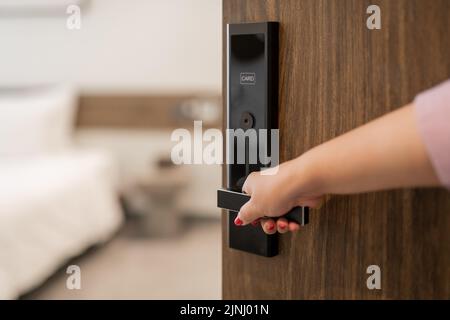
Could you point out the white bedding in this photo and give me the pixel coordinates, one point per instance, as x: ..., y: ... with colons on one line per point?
x: 52, y: 208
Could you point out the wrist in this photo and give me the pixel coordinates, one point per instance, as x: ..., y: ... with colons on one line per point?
x: 308, y: 174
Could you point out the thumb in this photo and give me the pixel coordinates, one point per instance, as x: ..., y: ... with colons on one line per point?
x: 248, y: 213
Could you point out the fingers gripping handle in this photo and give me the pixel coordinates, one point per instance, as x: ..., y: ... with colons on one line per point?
x: 233, y: 201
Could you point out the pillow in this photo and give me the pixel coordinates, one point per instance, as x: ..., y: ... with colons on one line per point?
x: 35, y: 122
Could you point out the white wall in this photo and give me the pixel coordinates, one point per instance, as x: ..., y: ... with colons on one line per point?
x: 127, y: 46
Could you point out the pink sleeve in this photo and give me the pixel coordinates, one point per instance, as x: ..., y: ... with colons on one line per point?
x: 433, y: 113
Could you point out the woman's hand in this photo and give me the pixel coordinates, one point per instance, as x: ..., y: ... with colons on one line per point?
x: 274, y: 195
x: 385, y: 153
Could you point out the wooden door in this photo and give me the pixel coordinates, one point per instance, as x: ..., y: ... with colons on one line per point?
x: 336, y: 74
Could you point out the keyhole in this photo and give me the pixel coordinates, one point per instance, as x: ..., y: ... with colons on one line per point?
x: 247, y: 120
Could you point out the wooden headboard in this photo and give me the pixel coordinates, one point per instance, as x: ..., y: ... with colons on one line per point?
x: 145, y: 111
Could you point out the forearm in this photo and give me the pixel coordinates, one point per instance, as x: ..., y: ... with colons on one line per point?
x: 405, y: 148
x: 383, y: 154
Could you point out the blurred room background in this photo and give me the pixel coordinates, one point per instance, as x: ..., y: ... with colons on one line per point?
x: 86, y: 177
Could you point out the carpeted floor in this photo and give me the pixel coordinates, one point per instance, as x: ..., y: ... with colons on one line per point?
x: 185, y: 267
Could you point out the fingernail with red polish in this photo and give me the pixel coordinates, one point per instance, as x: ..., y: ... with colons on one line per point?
x: 270, y: 227
x: 237, y: 221
x: 282, y: 226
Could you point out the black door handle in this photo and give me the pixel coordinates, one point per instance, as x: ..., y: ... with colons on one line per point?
x: 233, y: 201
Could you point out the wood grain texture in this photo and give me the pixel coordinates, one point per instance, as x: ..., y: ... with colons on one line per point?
x: 335, y: 75
x: 142, y: 111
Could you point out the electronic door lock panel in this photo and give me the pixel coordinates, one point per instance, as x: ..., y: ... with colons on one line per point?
x: 252, y: 104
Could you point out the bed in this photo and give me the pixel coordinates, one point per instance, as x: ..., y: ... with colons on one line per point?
x: 55, y: 200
